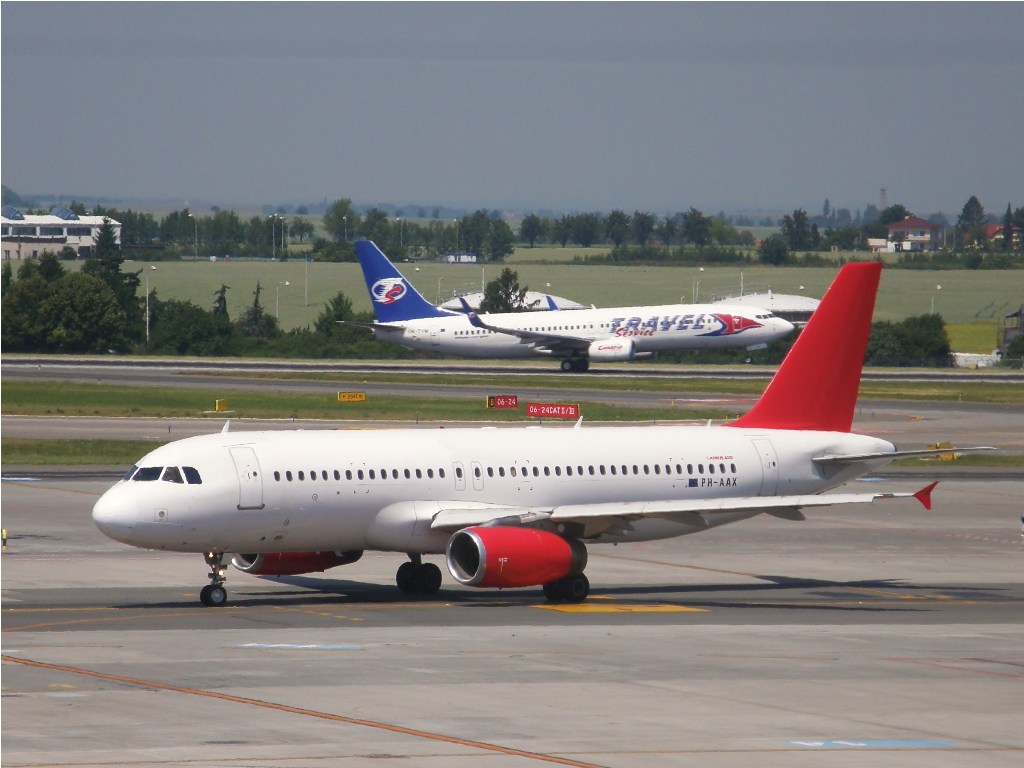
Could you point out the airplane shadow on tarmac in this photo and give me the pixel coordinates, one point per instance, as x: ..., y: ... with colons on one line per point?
x: 775, y: 593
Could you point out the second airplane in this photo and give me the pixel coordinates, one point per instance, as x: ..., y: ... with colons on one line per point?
x: 577, y: 337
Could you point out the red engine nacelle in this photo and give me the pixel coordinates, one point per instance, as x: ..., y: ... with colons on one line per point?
x: 292, y: 563
x: 504, y: 556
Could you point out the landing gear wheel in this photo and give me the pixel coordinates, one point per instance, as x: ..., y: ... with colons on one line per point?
x: 213, y: 595
x: 405, y: 577
x: 429, y: 579
x: 575, y: 588
x: 418, y: 578
x: 571, y: 589
x: 567, y: 365
x: 552, y: 593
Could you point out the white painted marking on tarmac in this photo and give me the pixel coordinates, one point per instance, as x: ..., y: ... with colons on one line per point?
x: 877, y: 744
x: 300, y: 646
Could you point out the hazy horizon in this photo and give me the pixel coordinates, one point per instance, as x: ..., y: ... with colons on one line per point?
x: 580, y: 106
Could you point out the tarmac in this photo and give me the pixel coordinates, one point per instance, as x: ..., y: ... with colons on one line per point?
x: 887, y: 636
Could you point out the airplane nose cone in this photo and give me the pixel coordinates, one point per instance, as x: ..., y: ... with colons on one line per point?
x: 784, y: 325
x: 115, y: 516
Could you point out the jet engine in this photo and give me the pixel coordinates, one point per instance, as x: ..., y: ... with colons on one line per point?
x: 292, y: 563
x: 502, y: 556
x: 611, y: 350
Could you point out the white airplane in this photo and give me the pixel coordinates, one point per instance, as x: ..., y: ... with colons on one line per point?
x: 576, y: 336
x: 512, y: 507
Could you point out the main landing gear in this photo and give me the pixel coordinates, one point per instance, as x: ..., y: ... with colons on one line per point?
x: 214, y: 594
x: 575, y: 365
x: 417, y: 577
x: 571, y: 589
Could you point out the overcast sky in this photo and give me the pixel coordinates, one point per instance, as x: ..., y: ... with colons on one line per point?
x: 575, y: 106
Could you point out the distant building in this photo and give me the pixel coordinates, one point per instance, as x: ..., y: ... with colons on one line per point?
x: 994, y: 234
x: 793, y: 307
x: 1013, y: 326
x: 26, y: 236
x: 913, y: 234
x: 460, y: 258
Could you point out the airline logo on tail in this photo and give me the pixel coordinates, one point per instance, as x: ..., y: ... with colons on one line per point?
x: 388, y: 290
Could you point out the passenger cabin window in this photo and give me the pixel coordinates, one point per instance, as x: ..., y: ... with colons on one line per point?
x: 148, y: 474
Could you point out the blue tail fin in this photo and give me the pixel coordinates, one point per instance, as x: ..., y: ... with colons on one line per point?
x: 393, y: 297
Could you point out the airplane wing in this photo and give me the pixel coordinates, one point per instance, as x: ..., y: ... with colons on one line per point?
x: 555, y: 342
x: 695, y: 513
x: 857, y: 458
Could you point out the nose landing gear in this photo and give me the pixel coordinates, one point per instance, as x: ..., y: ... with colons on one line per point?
x: 214, y: 594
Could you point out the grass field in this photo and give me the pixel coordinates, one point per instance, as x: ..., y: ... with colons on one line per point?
x: 301, y: 290
x: 978, y: 337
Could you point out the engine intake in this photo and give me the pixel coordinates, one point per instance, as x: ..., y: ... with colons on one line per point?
x: 502, y: 556
x: 292, y: 563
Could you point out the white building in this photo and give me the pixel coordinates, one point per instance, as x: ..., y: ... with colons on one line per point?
x: 27, y: 236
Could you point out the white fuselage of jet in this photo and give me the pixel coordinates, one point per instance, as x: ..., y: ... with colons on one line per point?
x: 629, y: 331
x: 405, y: 490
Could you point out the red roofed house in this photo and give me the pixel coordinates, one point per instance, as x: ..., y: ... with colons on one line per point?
x: 913, y: 234
x: 994, y: 234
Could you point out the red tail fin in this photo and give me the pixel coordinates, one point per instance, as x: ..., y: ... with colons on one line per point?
x: 816, y: 385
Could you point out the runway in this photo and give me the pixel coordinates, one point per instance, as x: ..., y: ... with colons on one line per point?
x: 887, y: 636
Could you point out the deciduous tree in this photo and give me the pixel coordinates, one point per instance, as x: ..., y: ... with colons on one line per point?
x: 504, y: 294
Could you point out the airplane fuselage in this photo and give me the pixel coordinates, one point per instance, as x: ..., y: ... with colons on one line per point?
x: 380, y: 490
x: 649, y: 329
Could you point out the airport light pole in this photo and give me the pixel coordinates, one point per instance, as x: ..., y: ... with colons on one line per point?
x: 345, y: 219
x: 273, y: 241
x: 195, y: 252
x: 438, y: 302
x: 147, y: 303
x: 277, y: 300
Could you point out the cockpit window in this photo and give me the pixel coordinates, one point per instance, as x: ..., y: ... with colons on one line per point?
x: 192, y: 475
x: 148, y: 474
x: 172, y: 475
x: 130, y: 472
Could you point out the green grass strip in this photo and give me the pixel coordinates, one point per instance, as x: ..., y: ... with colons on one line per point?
x: 72, y: 453
x: 46, y: 398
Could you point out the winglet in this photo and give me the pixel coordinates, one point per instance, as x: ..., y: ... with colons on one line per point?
x: 474, y: 319
x: 925, y: 495
x: 551, y: 303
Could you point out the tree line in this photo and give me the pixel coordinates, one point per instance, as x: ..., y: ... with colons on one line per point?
x: 47, y: 309
x: 98, y: 310
x: 642, y: 236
